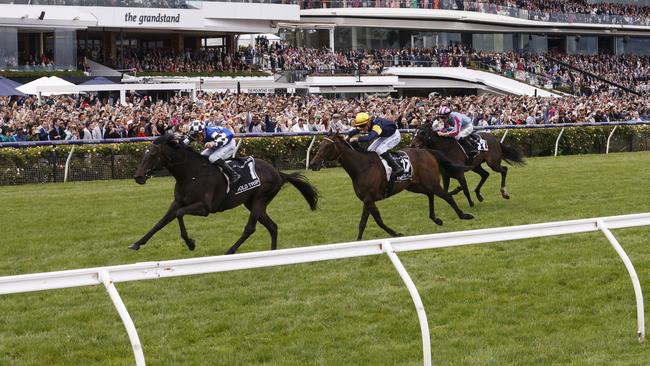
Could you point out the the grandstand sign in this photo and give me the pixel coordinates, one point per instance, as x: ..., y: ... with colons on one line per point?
x: 141, y: 19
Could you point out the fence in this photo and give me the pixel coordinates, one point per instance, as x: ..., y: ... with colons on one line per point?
x: 108, y: 276
x: 100, y: 159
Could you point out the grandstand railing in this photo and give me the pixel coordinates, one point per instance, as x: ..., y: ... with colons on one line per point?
x: 110, y: 275
x: 410, y: 4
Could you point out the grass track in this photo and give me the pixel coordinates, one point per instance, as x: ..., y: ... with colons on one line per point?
x: 564, y: 300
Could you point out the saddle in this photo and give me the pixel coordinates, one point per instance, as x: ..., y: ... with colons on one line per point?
x: 245, y: 166
x: 402, y: 159
x: 473, y: 145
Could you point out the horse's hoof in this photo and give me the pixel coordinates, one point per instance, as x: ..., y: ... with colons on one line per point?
x: 134, y: 246
x: 479, y: 197
x: 191, y: 244
x: 437, y: 221
x: 471, y: 204
x: 466, y: 216
x: 398, y: 234
x: 506, y: 196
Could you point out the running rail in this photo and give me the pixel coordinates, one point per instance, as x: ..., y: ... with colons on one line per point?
x: 108, y: 276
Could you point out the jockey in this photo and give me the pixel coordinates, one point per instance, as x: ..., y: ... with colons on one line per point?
x: 458, y: 126
x: 385, y: 135
x: 219, y: 145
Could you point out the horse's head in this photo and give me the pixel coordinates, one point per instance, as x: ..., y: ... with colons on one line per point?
x: 154, y: 158
x: 425, y: 135
x: 326, y: 151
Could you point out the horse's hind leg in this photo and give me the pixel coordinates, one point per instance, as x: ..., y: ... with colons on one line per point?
x: 272, y: 227
x: 249, y: 229
x: 450, y: 200
x: 371, y: 207
x: 497, y: 167
x: 432, y: 212
x: 169, y: 216
x: 484, y: 176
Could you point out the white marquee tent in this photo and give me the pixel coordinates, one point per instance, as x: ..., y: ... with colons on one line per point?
x: 30, y: 88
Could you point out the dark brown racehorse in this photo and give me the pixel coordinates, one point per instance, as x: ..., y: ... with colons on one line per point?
x: 201, y: 190
x: 370, y: 183
x: 425, y: 136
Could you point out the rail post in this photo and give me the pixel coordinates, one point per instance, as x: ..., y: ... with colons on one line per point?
x: 105, y: 278
x: 557, y: 141
x: 417, y: 301
x: 633, y: 276
x: 609, y: 138
x: 313, y: 139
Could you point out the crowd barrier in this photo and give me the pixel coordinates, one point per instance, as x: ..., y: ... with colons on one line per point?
x: 110, y: 162
x: 110, y: 275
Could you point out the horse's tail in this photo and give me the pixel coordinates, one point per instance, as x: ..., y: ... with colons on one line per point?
x: 512, y: 155
x: 452, y: 170
x: 307, y: 190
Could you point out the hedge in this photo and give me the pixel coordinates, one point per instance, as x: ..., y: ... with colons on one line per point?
x: 118, y: 161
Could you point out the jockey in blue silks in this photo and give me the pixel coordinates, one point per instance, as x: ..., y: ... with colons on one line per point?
x: 384, y: 136
x: 219, y: 145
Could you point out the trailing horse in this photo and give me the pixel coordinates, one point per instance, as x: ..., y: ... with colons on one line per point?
x: 370, y: 181
x: 427, y: 137
x: 201, y: 189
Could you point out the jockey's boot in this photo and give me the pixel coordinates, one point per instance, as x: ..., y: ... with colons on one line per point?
x: 397, y: 169
x: 233, y: 176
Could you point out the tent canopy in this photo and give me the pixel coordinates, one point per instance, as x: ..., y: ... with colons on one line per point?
x: 8, y: 87
x: 30, y: 88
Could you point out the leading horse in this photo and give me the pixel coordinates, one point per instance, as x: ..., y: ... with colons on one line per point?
x: 201, y: 189
x: 370, y: 183
x: 426, y: 136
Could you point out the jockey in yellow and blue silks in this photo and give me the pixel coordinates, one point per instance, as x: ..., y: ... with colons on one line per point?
x: 219, y: 145
x: 384, y: 136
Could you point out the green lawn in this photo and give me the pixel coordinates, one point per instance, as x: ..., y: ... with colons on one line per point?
x: 561, y: 300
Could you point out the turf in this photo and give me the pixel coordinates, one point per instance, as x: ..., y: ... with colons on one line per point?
x: 560, y: 300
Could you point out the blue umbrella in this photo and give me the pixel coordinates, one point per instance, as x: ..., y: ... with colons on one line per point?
x: 8, y: 87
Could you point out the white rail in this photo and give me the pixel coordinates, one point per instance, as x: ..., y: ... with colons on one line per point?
x: 107, y: 276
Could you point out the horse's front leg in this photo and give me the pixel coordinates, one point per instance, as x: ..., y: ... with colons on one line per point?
x: 371, y: 207
x: 362, y: 222
x: 197, y: 208
x: 169, y: 216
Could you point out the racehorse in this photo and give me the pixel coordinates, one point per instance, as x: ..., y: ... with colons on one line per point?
x: 201, y: 189
x: 370, y: 183
x: 497, y: 151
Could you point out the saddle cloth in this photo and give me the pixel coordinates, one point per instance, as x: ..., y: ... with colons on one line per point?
x: 245, y: 166
x: 402, y: 159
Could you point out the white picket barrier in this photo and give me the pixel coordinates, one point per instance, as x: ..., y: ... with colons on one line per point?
x: 110, y: 275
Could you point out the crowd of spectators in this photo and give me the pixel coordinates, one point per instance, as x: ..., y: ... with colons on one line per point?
x: 628, y: 71
x: 69, y: 118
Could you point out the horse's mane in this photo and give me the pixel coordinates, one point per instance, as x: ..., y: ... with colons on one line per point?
x: 365, y: 152
x: 173, y: 141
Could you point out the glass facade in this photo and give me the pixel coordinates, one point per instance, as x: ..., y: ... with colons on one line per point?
x: 357, y: 38
x: 632, y: 45
x: 65, y: 49
x: 580, y: 45
x: 8, y: 47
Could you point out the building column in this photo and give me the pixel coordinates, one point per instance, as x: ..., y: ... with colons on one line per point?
x: 354, y: 38
x: 178, y: 42
x: 41, y: 48
x: 331, y: 39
